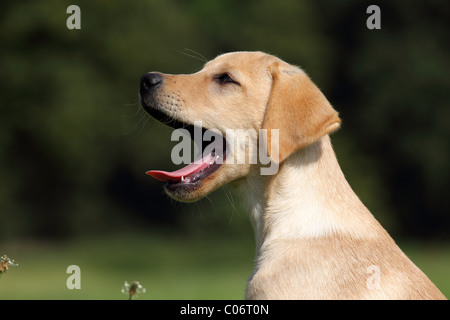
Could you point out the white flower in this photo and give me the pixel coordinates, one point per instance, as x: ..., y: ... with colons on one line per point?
x: 132, y: 289
x: 5, y: 263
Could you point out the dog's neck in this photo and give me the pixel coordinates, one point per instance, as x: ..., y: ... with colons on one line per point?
x: 308, y: 197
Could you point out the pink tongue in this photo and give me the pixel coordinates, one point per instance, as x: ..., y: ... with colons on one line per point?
x: 183, y: 172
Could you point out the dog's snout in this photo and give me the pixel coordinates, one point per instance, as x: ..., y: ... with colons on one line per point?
x: 150, y: 81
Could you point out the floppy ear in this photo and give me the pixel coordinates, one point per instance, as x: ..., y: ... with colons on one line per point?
x: 298, y: 109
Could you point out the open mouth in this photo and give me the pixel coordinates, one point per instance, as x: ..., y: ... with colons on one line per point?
x: 191, y: 175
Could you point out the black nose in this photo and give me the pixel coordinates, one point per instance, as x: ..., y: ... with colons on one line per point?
x: 150, y: 81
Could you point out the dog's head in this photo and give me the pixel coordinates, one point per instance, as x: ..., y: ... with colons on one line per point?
x: 235, y: 98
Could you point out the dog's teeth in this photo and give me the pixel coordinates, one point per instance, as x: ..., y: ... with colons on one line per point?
x: 182, y: 178
x: 211, y: 163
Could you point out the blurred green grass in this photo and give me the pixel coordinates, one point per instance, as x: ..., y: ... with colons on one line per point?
x: 169, y: 267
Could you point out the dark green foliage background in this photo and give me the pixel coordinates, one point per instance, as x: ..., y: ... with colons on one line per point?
x: 75, y: 145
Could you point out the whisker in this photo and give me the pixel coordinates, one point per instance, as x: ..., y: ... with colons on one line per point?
x: 209, y: 200
x: 229, y: 196
x: 142, y: 118
x: 193, y: 54
x: 136, y: 113
x: 197, y: 53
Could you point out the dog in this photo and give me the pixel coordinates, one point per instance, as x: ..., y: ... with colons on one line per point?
x: 314, y: 237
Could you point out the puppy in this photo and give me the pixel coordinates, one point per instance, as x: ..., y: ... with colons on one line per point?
x: 315, y: 239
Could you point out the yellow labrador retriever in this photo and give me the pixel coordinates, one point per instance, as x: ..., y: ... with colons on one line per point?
x: 315, y: 239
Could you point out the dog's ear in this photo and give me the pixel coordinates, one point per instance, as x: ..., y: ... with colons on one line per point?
x: 298, y: 109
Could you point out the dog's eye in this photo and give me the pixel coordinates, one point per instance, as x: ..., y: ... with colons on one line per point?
x: 224, y: 79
